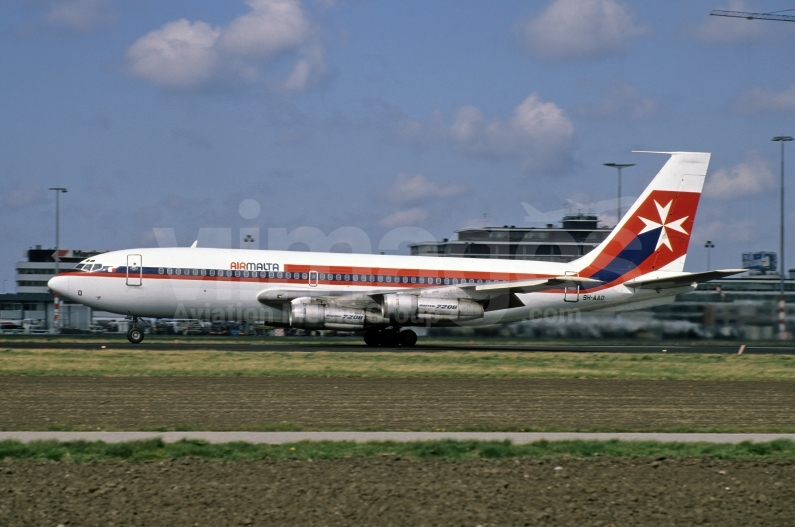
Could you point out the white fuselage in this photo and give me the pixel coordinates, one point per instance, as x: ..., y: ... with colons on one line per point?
x: 224, y: 284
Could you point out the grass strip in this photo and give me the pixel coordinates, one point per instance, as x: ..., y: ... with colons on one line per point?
x: 668, y: 366
x: 156, y: 449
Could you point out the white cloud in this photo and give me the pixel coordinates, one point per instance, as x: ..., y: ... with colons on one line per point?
x: 744, y: 179
x: 272, y: 26
x: 188, y: 55
x: 80, y: 15
x: 535, y: 128
x: 415, y: 188
x: 180, y: 54
x: 307, y: 70
x: 580, y: 29
x: 403, y: 218
x: 619, y: 99
x: 723, y: 30
x: 538, y: 133
x: 759, y: 100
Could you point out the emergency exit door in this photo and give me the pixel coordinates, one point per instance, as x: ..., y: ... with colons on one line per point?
x: 135, y: 270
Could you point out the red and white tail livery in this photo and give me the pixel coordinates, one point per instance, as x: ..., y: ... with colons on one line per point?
x: 639, y: 265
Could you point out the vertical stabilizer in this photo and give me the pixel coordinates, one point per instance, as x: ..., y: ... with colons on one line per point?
x: 655, y: 233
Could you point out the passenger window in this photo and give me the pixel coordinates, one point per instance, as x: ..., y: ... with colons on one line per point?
x: 212, y: 272
x: 159, y: 270
x: 178, y: 271
x: 389, y: 279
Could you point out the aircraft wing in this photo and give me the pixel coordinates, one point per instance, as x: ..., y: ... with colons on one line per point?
x: 365, y: 299
x: 530, y: 286
x: 352, y: 299
x: 679, y: 280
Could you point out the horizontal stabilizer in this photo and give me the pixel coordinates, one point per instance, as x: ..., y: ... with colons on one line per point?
x: 683, y: 279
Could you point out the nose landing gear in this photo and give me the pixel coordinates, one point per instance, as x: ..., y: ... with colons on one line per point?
x: 136, y: 333
x: 390, y: 338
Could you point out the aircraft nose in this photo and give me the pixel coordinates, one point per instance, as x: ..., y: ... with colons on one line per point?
x: 59, y: 284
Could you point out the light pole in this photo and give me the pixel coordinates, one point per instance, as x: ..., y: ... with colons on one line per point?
x: 248, y: 240
x: 56, y: 306
x: 619, y: 166
x: 782, y: 322
x: 709, y: 245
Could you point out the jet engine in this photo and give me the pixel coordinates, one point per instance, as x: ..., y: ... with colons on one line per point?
x: 319, y: 316
x: 402, y: 309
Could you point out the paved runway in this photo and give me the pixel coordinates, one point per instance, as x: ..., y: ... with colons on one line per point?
x: 276, y: 438
x: 348, y: 345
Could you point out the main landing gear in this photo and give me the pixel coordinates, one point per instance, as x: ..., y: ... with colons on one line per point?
x: 136, y: 333
x: 390, y: 338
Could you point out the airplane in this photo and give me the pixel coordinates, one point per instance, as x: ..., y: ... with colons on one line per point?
x: 639, y: 265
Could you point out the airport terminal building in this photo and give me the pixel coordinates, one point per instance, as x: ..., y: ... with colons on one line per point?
x: 578, y: 235
x: 31, y: 307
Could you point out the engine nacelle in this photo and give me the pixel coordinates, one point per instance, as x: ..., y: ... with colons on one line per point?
x: 317, y: 316
x: 403, y: 309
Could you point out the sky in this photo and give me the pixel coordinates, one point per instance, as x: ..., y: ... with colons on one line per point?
x: 363, y: 125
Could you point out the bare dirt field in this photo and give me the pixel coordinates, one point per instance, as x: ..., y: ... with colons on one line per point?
x: 393, y: 491
x: 391, y: 403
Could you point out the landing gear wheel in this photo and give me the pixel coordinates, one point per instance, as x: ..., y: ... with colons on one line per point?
x: 135, y: 335
x: 372, y: 337
x: 407, y: 338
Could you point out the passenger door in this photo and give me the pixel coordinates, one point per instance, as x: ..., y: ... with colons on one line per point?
x: 135, y: 270
x: 571, y: 293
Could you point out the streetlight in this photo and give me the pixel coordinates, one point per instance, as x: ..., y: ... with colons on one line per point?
x: 709, y: 245
x: 782, y: 325
x: 248, y: 240
x: 619, y: 166
x: 58, y: 192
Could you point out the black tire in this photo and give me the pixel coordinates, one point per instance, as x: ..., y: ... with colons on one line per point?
x: 135, y: 335
x: 407, y: 338
x: 372, y: 338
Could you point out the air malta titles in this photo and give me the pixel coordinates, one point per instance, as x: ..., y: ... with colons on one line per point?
x: 250, y: 266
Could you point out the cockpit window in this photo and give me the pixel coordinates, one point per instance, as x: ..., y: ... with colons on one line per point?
x: 96, y: 267
x: 79, y: 266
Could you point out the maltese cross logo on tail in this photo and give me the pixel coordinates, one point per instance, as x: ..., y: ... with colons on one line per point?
x: 663, y: 225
